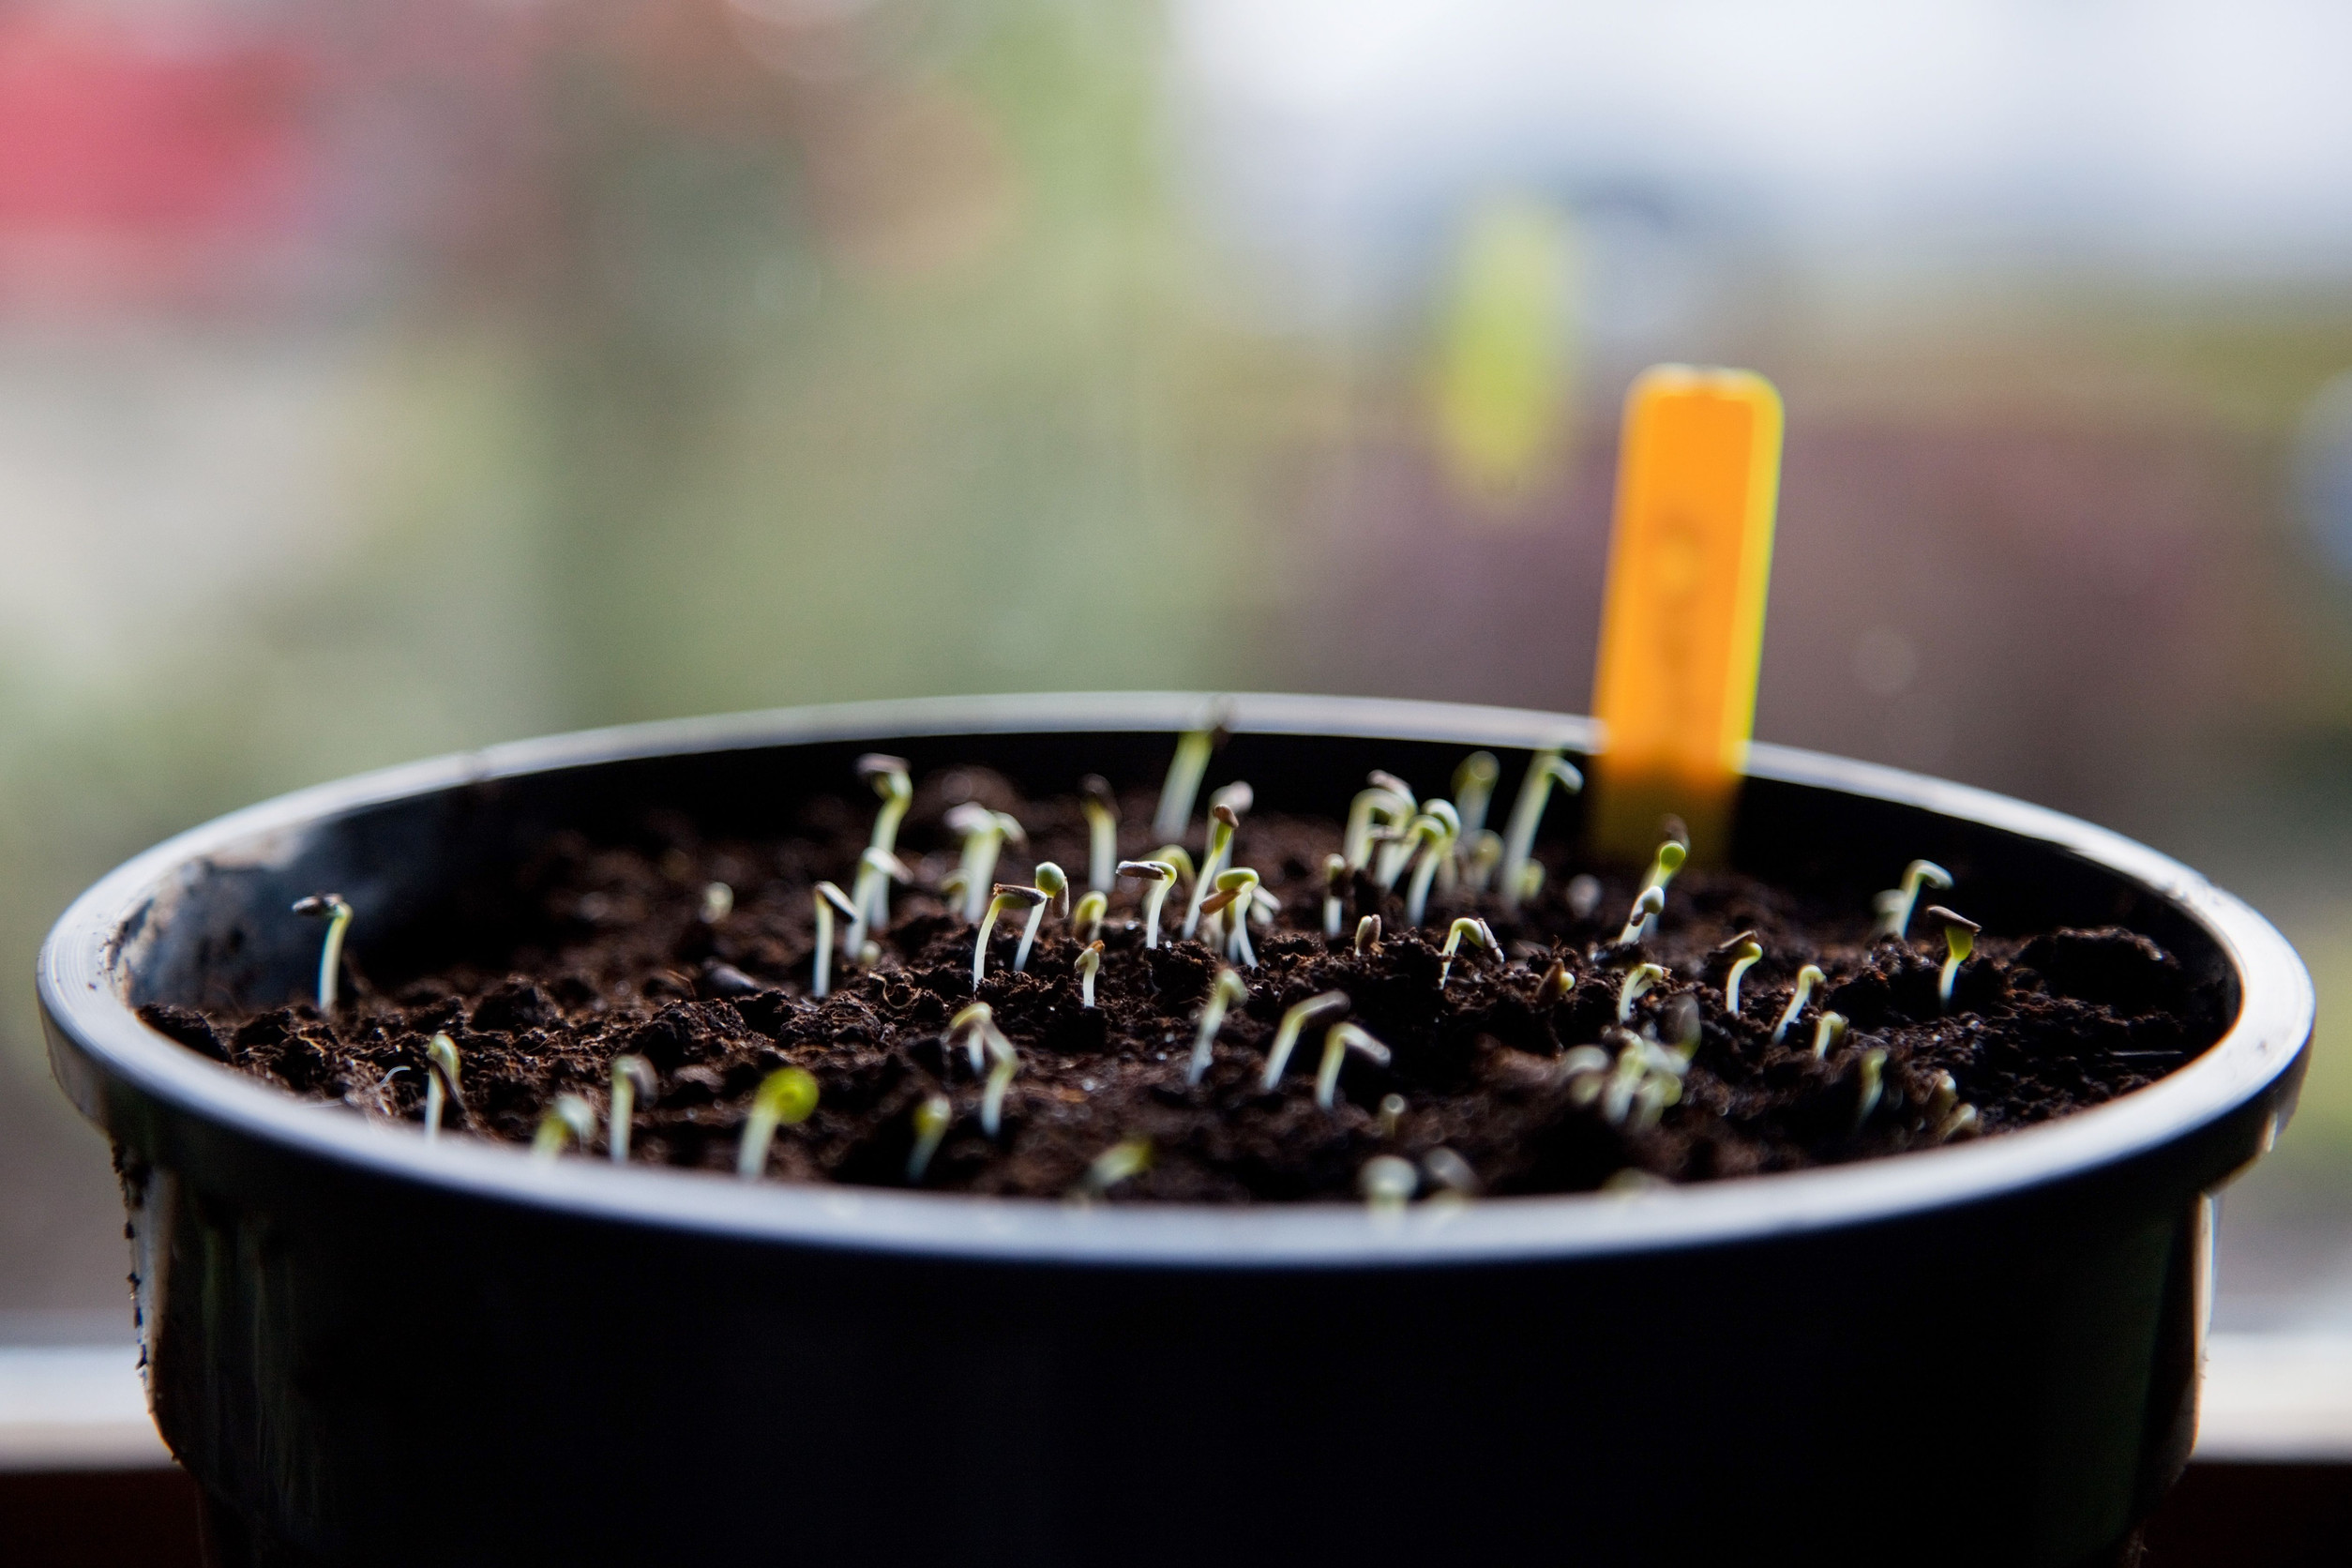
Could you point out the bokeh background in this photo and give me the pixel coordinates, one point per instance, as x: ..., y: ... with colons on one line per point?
x: 382, y: 377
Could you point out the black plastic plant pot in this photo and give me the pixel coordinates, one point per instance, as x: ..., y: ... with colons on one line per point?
x: 373, y: 1350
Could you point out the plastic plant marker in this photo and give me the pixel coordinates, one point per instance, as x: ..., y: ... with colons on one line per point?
x: 1683, y: 623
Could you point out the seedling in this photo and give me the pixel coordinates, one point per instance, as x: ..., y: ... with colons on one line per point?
x: 1479, y: 935
x: 1871, y: 1085
x: 1638, y: 980
x: 890, y: 780
x: 1237, y: 892
x: 1473, y: 787
x: 932, y: 1119
x: 440, y: 1079
x: 1638, y: 1083
x: 1007, y: 1062
x: 1646, y: 909
x: 1226, y: 989
x: 1328, y: 1005
x: 985, y: 833
x: 1555, y: 984
x: 1678, y: 1025
x: 1090, y: 962
x: 1744, y: 953
x: 830, y: 901
x: 1437, y: 829
x: 1545, y: 769
x: 1893, y: 906
x: 1482, y: 852
x: 1111, y: 1166
x: 1668, y: 860
x: 632, y: 1077
x: 1337, y: 1042
x: 1193, y: 751
x: 1101, y: 808
x: 1009, y: 896
x: 1378, y: 808
x: 1943, y: 1098
x: 336, y: 913
x: 1367, y: 936
x: 1087, y: 922
x: 718, y: 902
x: 1222, y: 821
x: 1396, y: 833
x: 1808, y: 978
x: 1388, y: 1182
x: 786, y: 1098
x: 1828, y: 1032
x: 1335, y: 880
x: 974, y: 1024
x: 570, y: 1120
x: 1963, y: 1122
x: 1392, y: 1114
x: 1157, y: 877
x: 876, y: 870
x: 1451, y: 1171
x: 1959, y: 941
x: 1054, y: 886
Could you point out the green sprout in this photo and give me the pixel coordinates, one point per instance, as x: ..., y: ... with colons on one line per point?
x: 1480, y: 935
x: 1222, y: 819
x: 1871, y: 1084
x: 331, y: 907
x: 1392, y: 1115
x: 570, y: 1120
x: 440, y: 1079
x: 1337, y: 1042
x: 1543, y: 770
x: 1157, y: 877
x: 632, y: 1077
x: 1228, y: 988
x: 1367, y: 936
x: 1388, y: 1182
x: 1808, y: 978
x: 932, y: 1119
x: 1086, y: 923
x: 1396, y: 835
x: 1893, y: 906
x: 1451, y: 1172
x: 974, y: 1024
x: 895, y: 787
x: 1959, y: 941
x: 869, y: 895
x: 1090, y: 962
x: 1636, y: 1084
x: 985, y: 833
x: 1007, y: 1062
x: 1555, y: 984
x: 1101, y: 808
x: 1963, y: 1122
x: 1336, y: 879
x: 830, y: 901
x: 1744, y: 953
x: 1009, y: 896
x: 1184, y: 770
x: 1054, y: 886
x: 1482, y: 853
x: 1237, y: 893
x: 1828, y: 1032
x: 1313, y: 1010
x: 718, y: 902
x: 1647, y: 908
x: 786, y: 1098
x: 1374, y: 809
x: 1474, y: 788
x: 1438, y: 828
x: 1947, y: 1118
x: 1943, y: 1097
x: 1668, y: 860
x: 1113, y: 1165
x: 1638, y: 980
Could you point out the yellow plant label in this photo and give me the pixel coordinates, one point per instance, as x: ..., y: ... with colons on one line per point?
x: 1682, y: 625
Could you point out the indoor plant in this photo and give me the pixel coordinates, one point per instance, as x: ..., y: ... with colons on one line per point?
x: 368, y: 1350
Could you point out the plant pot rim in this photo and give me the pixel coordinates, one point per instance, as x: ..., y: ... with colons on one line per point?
x: 99, y: 1046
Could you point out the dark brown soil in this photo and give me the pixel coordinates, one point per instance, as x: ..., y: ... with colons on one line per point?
x: 622, y: 961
